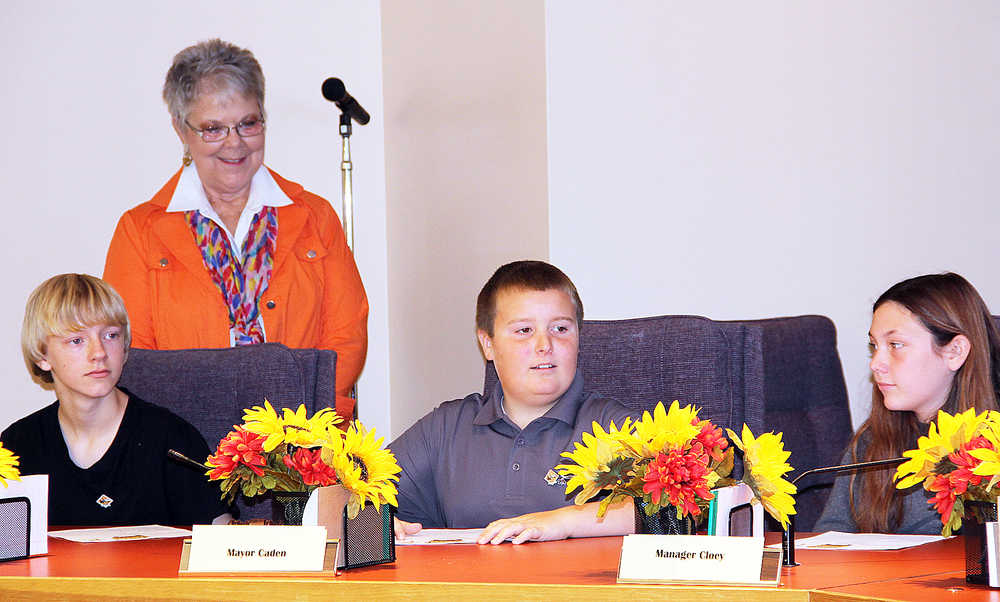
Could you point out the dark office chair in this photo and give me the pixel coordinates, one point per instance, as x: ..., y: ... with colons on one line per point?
x: 210, y: 388
x: 713, y: 365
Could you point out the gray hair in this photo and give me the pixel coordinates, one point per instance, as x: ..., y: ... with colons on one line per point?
x: 222, y: 64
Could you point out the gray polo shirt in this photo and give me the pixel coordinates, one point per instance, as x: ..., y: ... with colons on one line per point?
x: 466, y: 464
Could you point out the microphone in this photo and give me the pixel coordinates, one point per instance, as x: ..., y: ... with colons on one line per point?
x: 788, y: 535
x: 335, y: 92
x: 186, y: 460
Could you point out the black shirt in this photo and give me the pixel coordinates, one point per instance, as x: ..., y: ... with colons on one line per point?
x: 134, y: 483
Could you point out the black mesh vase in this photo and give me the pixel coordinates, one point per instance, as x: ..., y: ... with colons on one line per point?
x: 661, y: 522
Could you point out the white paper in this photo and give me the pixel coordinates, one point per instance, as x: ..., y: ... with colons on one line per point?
x: 310, y: 514
x: 440, y: 537
x: 36, y: 489
x: 991, y: 553
x: 836, y: 540
x: 120, y: 533
x: 727, y: 498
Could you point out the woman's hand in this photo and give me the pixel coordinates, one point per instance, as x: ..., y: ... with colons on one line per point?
x: 403, y: 528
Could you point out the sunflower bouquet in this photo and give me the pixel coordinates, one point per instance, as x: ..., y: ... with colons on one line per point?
x: 291, y: 452
x: 958, y: 461
x: 672, y: 459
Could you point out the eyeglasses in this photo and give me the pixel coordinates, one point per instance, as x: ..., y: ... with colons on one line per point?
x: 218, y: 133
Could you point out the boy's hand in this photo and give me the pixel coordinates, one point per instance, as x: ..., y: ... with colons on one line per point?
x: 403, y: 528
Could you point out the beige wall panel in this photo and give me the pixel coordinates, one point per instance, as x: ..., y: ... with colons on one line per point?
x: 466, y: 186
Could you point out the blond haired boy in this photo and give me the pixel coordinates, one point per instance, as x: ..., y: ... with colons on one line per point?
x: 105, y: 450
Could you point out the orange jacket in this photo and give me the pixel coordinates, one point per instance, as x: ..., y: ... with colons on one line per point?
x: 315, y: 298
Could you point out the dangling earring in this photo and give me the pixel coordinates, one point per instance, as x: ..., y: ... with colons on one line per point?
x: 186, y: 158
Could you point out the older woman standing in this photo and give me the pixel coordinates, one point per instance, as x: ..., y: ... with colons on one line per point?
x: 228, y: 252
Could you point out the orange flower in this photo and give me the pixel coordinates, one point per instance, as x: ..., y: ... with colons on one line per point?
x: 680, y: 475
x: 236, y: 448
x: 309, y: 463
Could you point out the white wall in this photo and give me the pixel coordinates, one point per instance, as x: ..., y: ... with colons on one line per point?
x: 87, y: 137
x: 733, y: 160
x: 744, y: 160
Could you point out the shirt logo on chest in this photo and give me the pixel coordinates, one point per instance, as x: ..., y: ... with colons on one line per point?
x: 104, y: 501
x: 554, y: 478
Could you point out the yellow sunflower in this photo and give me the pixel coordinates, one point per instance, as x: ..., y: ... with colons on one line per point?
x: 265, y: 421
x: 8, y: 466
x: 990, y: 458
x: 944, y: 437
x: 765, y: 463
x: 663, y: 430
x: 595, y: 467
x: 308, y: 432
x: 322, y: 423
x: 363, y: 467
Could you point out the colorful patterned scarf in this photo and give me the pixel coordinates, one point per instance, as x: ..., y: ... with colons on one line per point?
x: 242, y: 285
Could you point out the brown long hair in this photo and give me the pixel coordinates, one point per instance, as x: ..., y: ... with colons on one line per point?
x: 946, y: 305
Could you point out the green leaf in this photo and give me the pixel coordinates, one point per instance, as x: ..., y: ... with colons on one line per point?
x: 229, y: 489
x: 634, y: 488
x: 650, y: 508
x: 249, y: 488
x: 725, y: 466
x: 228, y: 486
x: 619, y: 472
x: 285, y: 482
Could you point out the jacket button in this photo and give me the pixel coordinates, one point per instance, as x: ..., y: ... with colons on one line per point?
x: 311, y: 254
x: 163, y: 262
x: 270, y: 304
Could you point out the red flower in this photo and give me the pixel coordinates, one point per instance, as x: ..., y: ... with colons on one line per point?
x: 956, y: 483
x: 236, y: 448
x: 962, y: 476
x: 944, y: 500
x: 680, y: 476
x: 309, y: 464
x: 712, y: 440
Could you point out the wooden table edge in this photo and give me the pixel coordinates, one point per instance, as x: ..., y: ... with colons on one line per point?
x: 198, y: 588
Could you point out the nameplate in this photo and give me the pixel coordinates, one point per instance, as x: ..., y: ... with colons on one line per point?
x: 691, y: 558
x: 256, y: 548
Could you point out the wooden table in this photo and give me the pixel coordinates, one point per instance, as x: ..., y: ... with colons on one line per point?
x: 582, y: 569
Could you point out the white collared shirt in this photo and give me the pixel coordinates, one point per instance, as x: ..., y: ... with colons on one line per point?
x: 264, y: 192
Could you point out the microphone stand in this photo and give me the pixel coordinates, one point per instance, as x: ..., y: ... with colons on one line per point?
x: 346, y: 183
x: 788, y: 535
x: 347, y: 203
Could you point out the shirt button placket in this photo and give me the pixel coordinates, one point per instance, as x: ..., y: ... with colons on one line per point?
x: 515, y: 482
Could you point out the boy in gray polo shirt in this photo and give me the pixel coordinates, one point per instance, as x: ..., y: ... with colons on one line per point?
x: 488, y: 460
